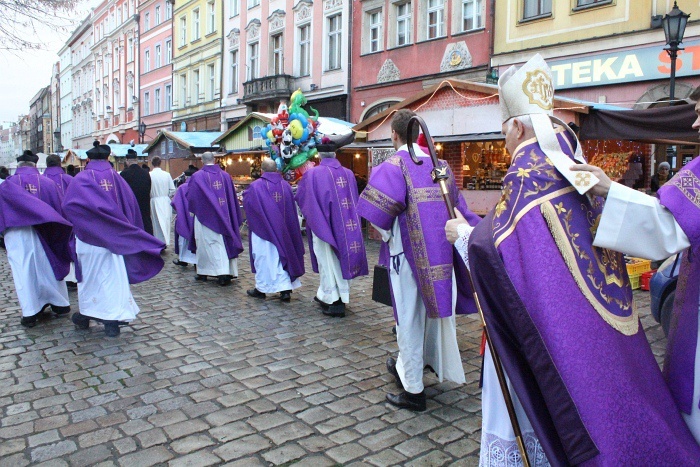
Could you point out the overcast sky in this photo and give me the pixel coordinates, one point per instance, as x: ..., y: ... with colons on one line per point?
x: 23, y: 74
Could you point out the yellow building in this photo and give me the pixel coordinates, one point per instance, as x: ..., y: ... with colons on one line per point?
x: 197, y: 39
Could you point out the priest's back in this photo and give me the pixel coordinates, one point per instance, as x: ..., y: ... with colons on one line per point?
x: 140, y: 182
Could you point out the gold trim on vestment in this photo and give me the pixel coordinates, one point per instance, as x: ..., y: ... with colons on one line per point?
x: 381, y: 201
x: 689, y: 185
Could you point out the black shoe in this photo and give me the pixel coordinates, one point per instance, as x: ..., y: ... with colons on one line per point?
x: 71, y: 285
x: 80, y: 321
x: 28, y: 321
x: 391, y: 368
x: 177, y: 262
x: 286, y: 295
x: 60, y: 310
x: 393, y: 330
x: 255, y: 293
x: 199, y: 277
x: 223, y: 280
x: 335, y: 310
x: 323, y: 304
x: 406, y: 400
x: 112, y: 328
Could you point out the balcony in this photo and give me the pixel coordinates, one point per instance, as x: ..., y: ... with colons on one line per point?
x: 269, y: 88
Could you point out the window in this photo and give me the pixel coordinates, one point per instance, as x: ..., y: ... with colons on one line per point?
x: 147, y: 61
x: 130, y: 50
x: 253, y: 3
x: 234, y: 7
x: 535, y: 8
x: 168, y: 96
x: 253, y: 58
x: 168, y: 10
x: 211, y: 75
x: 375, y: 31
x: 170, y: 146
x: 195, y: 79
x: 304, y: 49
x: 234, y: 72
x: 168, y: 51
x: 277, y: 46
x: 436, y: 18
x: 257, y: 132
x: 158, y: 59
x: 156, y: 101
x: 162, y: 147
x: 591, y: 2
x: 183, y: 91
x: 183, y: 31
x: 211, y: 24
x: 157, y: 16
x: 334, y: 42
x: 146, y: 103
x: 403, y: 24
x: 472, y: 15
x: 146, y: 21
x: 195, y: 24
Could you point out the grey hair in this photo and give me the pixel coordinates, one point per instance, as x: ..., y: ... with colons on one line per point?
x: 268, y: 165
x: 26, y: 164
x: 664, y: 165
x: 326, y: 155
x: 207, y: 157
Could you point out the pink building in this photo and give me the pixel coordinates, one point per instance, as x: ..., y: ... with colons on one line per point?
x: 115, y: 50
x: 156, y: 52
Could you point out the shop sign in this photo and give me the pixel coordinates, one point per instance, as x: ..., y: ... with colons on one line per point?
x: 644, y: 64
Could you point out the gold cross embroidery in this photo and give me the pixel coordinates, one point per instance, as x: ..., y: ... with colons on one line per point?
x: 345, y: 203
x: 30, y: 188
x: 341, y: 182
x: 583, y: 179
x: 222, y: 201
x: 217, y: 185
x: 351, y: 225
x: 104, y: 183
x: 355, y: 247
x: 277, y: 196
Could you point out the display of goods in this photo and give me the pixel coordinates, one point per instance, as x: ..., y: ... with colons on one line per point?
x: 638, y: 266
x: 613, y: 164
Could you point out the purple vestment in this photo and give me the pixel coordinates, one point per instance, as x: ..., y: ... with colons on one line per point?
x: 327, y: 197
x: 269, y: 207
x: 61, y: 178
x: 28, y: 199
x: 212, y: 199
x: 400, y: 188
x: 184, y: 222
x: 681, y: 196
x: 104, y: 213
x: 561, y: 315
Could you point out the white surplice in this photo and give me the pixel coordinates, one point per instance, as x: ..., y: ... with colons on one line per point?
x: 422, y: 341
x: 104, y: 292
x: 34, y: 279
x: 270, y: 276
x: 332, y: 287
x: 212, y: 259
x: 185, y: 255
x: 638, y: 225
x: 162, y: 189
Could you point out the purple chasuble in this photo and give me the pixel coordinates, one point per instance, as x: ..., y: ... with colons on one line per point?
x: 562, y: 317
x: 212, y: 199
x: 681, y: 196
x: 272, y: 215
x: 400, y: 188
x: 61, y: 178
x: 327, y: 197
x: 104, y: 213
x: 29, y: 199
x: 184, y: 222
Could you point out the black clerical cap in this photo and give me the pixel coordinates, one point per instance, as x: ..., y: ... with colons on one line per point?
x: 327, y: 147
x: 131, y: 154
x: 99, y: 151
x: 28, y: 156
x: 190, y: 171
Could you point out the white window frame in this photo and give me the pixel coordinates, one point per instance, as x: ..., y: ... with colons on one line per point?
x: 146, y: 104
x: 304, y: 49
x: 156, y: 101
x: 196, y: 85
x: 157, y: 15
x: 183, y: 90
x: 253, y: 60
x: 196, y: 29
x: 233, y: 56
x: 147, y: 61
x: 183, y: 31
x: 476, y: 17
x: 168, y: 10
x: 159, y: 61
x: 334, y: 41
x: 168, y: 97
x: 234, y: 7
x: 146, y: 21
x: 253, y: 3
x: 435, y: 19
x: 539, y: 7
x: 277, y: 53
x: 168, y: 51
x: 405, y: 20
x: 376, y: 38
x: 211, y: 17
x: 211, y: 72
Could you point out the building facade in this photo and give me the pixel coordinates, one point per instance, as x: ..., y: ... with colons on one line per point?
x: 401, y: 47
x: 156, y: 52
x: 40, y: 121
x: 197, y: 36
x: 115, y: 29
x: 274, y: 47
x: 7, y: 144
x: 65, y: 121
x: 55, y: 103
x: 82, y: 76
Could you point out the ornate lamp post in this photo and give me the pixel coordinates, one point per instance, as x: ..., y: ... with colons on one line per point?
x: 674, y: 27
x: 142, y: 130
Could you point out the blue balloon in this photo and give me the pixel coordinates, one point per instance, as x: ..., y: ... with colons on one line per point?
x: 296, y: 142
x: 278, y: 161
x: 303, y: 120
x: 305, y: 135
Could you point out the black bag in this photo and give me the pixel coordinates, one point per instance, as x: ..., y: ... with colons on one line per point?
x: 381, y: 290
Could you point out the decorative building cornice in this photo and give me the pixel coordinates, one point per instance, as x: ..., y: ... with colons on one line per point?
x: 234, y: 38
x: 388, y: 72
x: 276, y: 20
x: 253, y: 29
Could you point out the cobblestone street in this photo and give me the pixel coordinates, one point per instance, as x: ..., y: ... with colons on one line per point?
x: 207, y: 375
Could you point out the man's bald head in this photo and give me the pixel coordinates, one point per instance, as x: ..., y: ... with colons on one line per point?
x: 268, y: 165
x: 208, y: 158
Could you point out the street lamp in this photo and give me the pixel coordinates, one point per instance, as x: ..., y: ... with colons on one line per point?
x: 142, y: 130
x: 674, y: 27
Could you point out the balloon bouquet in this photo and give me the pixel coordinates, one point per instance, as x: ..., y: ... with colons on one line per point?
x: 291, y: 137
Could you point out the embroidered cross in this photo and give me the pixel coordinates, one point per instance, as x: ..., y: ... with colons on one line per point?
x: 222, y: 201
x: 341, y: 182
x: 356, y: 271
x: 30, y: 188
x: 104, y: 183
x: 355, y: 247
x: 345, y: 203
x: 687, y: 182
x: 560, y: 208
x: 277, y: 196
x: 351, y: 225
x: 217, y: 185
x: 583, y: 179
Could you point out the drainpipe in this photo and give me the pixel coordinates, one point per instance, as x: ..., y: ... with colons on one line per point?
x: 493, y: 31
x: 349, y: 80
x: 137, y: 70
x: 221, y: 71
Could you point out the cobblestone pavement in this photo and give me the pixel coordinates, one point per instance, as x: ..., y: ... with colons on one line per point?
x: 207, y: 375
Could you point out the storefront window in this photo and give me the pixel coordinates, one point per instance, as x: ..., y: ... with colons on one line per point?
x: 484, y: 164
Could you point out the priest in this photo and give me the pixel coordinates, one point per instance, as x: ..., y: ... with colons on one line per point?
x: 162, y: 190
x: 184, y: 221
x: 327, y: 197
x: 140, y: 183
x: 113, y: 250
x: 275, y: 244
x: 37, y: 239
x: 55, y: 172
x: 559, y: 310
x: 217, y: 219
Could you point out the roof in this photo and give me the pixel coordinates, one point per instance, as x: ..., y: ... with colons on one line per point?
x: 386, y: 143
x: 119, y: 150
x: 265, y: 117
x: 188, y: 139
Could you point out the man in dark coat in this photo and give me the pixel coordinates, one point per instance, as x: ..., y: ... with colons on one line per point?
x: 140, y: 182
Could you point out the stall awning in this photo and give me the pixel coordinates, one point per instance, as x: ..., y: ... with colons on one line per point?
x: 385, y: 143
x: 662, y: 125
